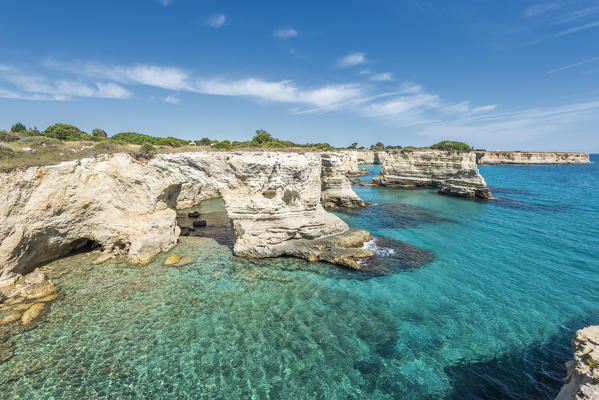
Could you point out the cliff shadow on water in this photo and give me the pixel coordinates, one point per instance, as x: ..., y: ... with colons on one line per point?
x: 535, y: 372
x: 209, y: 220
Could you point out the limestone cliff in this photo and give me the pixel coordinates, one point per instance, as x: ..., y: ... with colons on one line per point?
x: 127, y: 206
x: 582, y: 382
x: 519, y: 157
x: 371, y: 156
x: 453, y: 173
x: 336, y: 186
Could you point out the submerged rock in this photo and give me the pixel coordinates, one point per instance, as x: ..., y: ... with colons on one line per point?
x: 183, y: 261
x: 37, y: 290
x: 10, y: 319
x: 32, y: 313
x: 171, y: 260
x: 582, y: 382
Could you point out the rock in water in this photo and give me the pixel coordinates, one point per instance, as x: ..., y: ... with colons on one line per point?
x: 336, y: 186
x: 10, y: 319
x: 171, y: 260
x: 194, y: 214
x: 34, y: 277
x: 183, y: 261
x: 32, y: 313
x: 37, y: 290
x: 582, y: 382
x: 454, y: 173
x: 200, y: 223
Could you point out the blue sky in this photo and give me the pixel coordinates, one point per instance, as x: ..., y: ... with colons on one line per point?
x: 496, y: 74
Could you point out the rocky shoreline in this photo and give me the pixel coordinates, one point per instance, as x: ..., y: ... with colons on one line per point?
x: 530, y: 157
x: 582, y: 382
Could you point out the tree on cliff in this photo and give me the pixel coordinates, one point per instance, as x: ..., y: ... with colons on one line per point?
x: 353, y: 145
x: 448, y: 145
x: 66, y: 132
x: 18, y: 127
x: 379, y: 146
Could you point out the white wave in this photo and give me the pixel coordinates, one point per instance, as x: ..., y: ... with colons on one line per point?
x: 378, y: 250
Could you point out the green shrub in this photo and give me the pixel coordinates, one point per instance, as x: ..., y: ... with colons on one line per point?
x: 101, y: 133
x: 224, y: 145
x: 147, y: 150
x: 106, y: 146
x: 6, y: 151
x: 379, y: 146
x: 451, y: 146
x: 66, y: 132
x: 140, y: 138
x: 18, y: 127
x: 204, y: 141
x: 9, y: 136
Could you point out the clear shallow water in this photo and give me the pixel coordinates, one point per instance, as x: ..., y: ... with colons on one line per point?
x: 490, y: 317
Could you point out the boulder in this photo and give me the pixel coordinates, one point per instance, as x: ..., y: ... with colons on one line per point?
x: 37, y: 290
x: 10, y: 319
x: 582, y: 382
x: 32, y: 313
x: 35, y: 276
x: 171, y: 260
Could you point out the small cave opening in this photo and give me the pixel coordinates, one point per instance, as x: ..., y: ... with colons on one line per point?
x: 209, y: 219
x: 82, y: 245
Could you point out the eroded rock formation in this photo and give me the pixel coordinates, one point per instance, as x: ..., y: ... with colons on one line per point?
x: 453, y: 173
x: 582, y: 382
x: 336, y: 186
x: 520, y: 157
x: 370, y: 156
x: 127, y: 206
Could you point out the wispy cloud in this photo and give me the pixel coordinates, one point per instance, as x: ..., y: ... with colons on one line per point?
x: 216, y: 20
x: 352, y: 59
x: 576, y: 15
x: 384, y: 76
x: 165, y: 2
x: 40, y: 87
x: 172, y: 99
x: 285, y: 33
x: 539, y: 9
x: 578, y: 28
x: 590, y: 60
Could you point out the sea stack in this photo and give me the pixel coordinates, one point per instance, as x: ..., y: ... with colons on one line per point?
x: 453, y: 173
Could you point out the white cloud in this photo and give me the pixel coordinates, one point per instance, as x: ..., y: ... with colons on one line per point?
x: 539, y: 9
x: 326, y: 97
x: 384, y: 76
x: 39, y: 87
x: 285, y: 33
x: 172, y: 99
x: 579, y: 28
x: 352, y: 59
x: 216, y: 20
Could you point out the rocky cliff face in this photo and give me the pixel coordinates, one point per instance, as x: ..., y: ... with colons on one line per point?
x: 453, y: 173
x: 517, y: 157
x: 370, y: 156
x: 336, y: 186
x: 127, y: 206
x: 582, y: 382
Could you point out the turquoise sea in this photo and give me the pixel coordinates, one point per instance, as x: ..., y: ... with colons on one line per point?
x: 488, y: 314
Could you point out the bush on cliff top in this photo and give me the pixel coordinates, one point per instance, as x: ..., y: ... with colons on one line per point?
x: 451, y: 146
x: 67, y: 132
x: 140, y: 138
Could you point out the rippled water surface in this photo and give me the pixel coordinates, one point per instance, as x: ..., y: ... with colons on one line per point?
x: 490, y: 316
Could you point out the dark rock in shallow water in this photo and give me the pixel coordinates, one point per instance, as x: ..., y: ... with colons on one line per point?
x: 395, y: 215
x: 199, y: 223
x: 194, y: 214
x: 394, y: 255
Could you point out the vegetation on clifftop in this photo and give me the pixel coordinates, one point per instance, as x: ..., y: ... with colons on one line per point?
x: 22, y: 146
x: 451, y: 146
